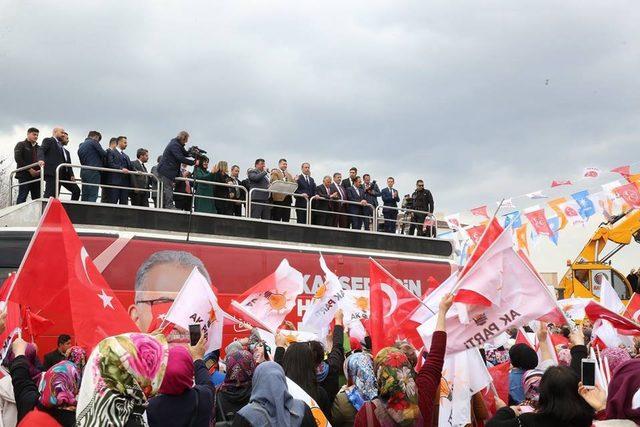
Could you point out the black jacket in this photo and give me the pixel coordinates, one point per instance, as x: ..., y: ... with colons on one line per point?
x: 168, y: 410
x: 51, y: 154
x: 91, y: 153
x: 506, y: 417
x: 173, y: 156
x: 53, y: 358
x: 335, y: 360
x: 230, y: 401
x: 371, y: 194
x: 119, y: 161
x: 422, y: 200
x: 25, y: 154
x: 139, y: 181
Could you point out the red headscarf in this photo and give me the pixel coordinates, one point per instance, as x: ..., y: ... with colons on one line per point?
x: 178, y: 377
x: 624, y: 384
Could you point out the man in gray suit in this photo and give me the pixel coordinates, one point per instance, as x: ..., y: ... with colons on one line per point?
x: 140, y: 183
x: 259, y: 178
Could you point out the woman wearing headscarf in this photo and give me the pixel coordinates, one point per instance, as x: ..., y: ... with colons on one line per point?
x: 531, y: 386
x: 235, y: 391
x: 404, y: 399
x: 623, y: 399
x: 8, y: 410
x: 523, y: 358
x: 361, y: 387
x: 271, y: 404
x: 53, y: 401
x: 559, y: 404
x: 122, y: 373
x: 180, y: 403
x: 77, y: 355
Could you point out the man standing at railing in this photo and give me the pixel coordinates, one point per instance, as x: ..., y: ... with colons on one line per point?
x: 258, y: 178
x: 371, y: 194
x: 321, y: 214
x: 307, y: 190
x: 117, y: 159
x: 281, y: 174
x: 173, y: 157
x: 356, y: 211
x: 140, y: 183
x: 422, y: 201
x: 92, y: 154
x: 340, y: 219
x: 52, y: 154
x: 390, y: 198
x: 66, y: 174
x: 26, y: 153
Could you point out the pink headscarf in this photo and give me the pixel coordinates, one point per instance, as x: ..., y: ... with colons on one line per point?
x: 624, y: 384
x: 179, y: 374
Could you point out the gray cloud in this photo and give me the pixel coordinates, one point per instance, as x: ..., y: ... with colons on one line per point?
x: 481, y: 101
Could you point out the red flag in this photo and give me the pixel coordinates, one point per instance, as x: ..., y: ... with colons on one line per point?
x: 480, y: 211
x: 539, y: 222
x: 475, y: 232
x: 500, y: 376
x: 625, y: 171
x: 522, y: 338
x: 33, y: 325
x: 391, y: 306
x: 623, y: 326
x: 557, y: 183
x: 633, y: 308
x: 491, y: 233
x: 59, y: 281
x: 630, y: 194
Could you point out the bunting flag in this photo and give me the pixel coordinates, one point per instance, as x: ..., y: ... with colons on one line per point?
x: 513, y: 219
x: 507, y: 203
x: 591, y: 173
x: 268, y: 302
x: 625, y: 171
x: 329, y: 297
x: 629, y: 193
x: 555, y: 206
x: 57, y: 280
x: 453, y: 221
x: 537, y: 195
x: 521, y: 238
x: 571, y: 211
x: 558, y: 183
x: 480, y: 211
x: 610, y: 186
x: 587, y: 209
x: 475, y: 232
x: 554, y: 225
x: 538, y: 221
x: 197, y: 304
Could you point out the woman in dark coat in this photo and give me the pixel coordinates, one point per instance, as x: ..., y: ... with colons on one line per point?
x: 235, y: 391
x: 221, y: 175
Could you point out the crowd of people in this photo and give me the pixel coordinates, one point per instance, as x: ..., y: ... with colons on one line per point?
x: 137, y: 379
x: 633, y: 277
x: 216, y: 188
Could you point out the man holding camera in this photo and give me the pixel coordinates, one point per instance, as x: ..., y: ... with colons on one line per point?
x: 173, y: 156
x: 371, y: 194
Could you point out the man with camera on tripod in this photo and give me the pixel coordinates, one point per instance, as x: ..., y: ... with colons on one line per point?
x: 173, y: 156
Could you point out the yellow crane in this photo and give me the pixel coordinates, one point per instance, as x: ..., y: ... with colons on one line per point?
x: 585, y: 274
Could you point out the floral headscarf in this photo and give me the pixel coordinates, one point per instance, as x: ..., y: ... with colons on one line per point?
x: 78, y: 356
x: 396, y: 387
x: 564, y: 357
x: 59, y: 386
x: 240, y: 368
x: 615, y: 356
x: 122, y: 373
x: 362, y: 380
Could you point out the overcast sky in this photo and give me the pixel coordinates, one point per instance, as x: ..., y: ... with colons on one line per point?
x: 481, y: 99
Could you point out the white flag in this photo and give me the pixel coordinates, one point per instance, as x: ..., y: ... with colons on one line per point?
x: 571, y: 209
x: 608, y: 296
x: 430, y: 303
x: 591, y: 173
x: 327, y: 300
x: 298, y: 393
x: 356, y: 306
x: 463, y: 375
x: 197, y: 304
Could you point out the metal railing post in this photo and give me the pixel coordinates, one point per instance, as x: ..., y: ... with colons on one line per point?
x: 308, y: 210
x: 249, y: 202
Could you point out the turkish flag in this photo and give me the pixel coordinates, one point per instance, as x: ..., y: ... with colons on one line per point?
x: 630, y: 194
x: 491, y: 233
x: 623, y: 326
x: 58, y: 281
x: 633, y: 308
x: 539, y: 222
x: 391, y: 307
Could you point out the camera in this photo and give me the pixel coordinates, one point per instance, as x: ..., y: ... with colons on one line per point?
x: 195, y: 151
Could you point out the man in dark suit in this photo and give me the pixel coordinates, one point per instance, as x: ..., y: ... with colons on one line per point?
x: 340, y: 219
x: 422, y: 201
x: 140, y: 183
x: 66, y: 174
x: 390, y: 198
x: 105, y: 197
x: 52, y: 154
x: 307, y: 190
x: 60, y: 353
x: 322, y: 215
x: 26, y: 153
x: 355, y: 193
x: 371, y: 194
x: 348, y: 182
x: 117, y: 159
x: 170, y: 167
